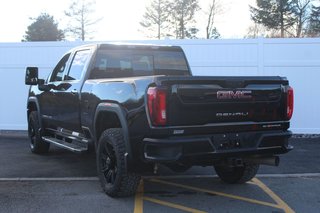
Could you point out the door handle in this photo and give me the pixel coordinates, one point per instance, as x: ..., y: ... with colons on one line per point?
x: 74, y: 91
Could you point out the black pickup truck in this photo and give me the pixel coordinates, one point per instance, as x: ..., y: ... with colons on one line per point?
x: 139, y: 106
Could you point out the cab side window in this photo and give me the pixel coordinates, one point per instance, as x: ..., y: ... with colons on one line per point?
x: 58, y: 71
x: 78, y: 64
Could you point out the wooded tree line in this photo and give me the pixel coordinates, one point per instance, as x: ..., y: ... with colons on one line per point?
x: 286, y: 18
x: 162, y: 18
x: 177, y: 19
x: 81, y: 20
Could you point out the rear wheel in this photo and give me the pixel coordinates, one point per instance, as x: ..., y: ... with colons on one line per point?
x: 239, y: 174
x: 114, y: 179
x: 37, y: 145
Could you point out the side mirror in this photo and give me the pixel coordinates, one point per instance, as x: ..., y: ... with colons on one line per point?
x: 31, y: 76
x: 41, y: 82
x: 42, y: 86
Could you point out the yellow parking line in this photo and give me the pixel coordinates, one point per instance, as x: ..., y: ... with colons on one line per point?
x: 218, y: 193
x: 275, y: 197
x: 138, y: 208
x: 252, y: 183
x: 172, y: 205
x: 138, y: 201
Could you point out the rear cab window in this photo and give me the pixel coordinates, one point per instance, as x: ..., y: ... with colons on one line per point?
x: 117, y: 63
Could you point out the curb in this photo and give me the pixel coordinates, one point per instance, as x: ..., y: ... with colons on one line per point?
x: 14, y: 133
x: 306, y: 136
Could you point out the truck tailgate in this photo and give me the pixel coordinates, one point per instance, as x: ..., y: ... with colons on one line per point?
x: 207, y: 100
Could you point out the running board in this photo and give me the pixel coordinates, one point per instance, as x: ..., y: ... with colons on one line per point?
x: 69, y: 146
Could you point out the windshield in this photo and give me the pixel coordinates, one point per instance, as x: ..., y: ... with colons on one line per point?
x: 129, y: 63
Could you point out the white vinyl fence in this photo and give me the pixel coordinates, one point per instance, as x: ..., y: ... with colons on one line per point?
x: 297, y: 59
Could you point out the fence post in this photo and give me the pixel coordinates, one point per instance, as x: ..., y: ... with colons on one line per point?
x: 260, y: 45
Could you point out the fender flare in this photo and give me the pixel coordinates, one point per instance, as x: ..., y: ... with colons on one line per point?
x: 36, y: 102
x: 121, y: 114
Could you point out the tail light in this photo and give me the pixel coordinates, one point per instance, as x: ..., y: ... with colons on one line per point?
x: 157, y: 105
x: 290, y: 101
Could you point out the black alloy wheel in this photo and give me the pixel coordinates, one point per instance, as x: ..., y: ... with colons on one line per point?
x: 109, y: 164
x: 37, y: 145
x: 115, y: 180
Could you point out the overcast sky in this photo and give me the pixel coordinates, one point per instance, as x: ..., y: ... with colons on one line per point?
x: 120, y: 18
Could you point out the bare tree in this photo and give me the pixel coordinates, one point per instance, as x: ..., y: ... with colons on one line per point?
x: 301, y: 9
x: 215, y: 8
x: 80, y: 15
x: 313, y: 27
x: 256, y: 30
x: 156, y: 16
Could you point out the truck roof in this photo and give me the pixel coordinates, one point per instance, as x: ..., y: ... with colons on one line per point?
x: 138, y: 46
x: 121, y: 45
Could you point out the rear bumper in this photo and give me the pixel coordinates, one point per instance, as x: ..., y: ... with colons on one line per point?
x: 207, y: 148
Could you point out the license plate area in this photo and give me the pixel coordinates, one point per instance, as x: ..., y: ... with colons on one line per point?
x: 232, y: 141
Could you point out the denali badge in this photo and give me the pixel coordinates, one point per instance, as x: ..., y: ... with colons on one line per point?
x: 234, y: 94
x: 232, y: 114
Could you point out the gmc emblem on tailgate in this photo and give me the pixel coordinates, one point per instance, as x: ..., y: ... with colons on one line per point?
x: 234, y: 94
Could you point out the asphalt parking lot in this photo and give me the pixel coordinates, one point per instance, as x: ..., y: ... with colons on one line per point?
x: 65, y: 182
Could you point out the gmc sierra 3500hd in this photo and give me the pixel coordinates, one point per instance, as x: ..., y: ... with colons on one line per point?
x: 140, y: 106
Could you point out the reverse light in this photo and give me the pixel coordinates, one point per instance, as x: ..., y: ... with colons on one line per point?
x: 290, y: 102
x: 157, y: 105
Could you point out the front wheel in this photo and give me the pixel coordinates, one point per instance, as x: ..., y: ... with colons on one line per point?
x: 37, y: 145
x: 239, y: 174
x: 114, y: 179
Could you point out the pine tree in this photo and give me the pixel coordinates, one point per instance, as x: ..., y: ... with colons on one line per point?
x: 44, y: 28
x: 274, y: 14
x: 182, y: 15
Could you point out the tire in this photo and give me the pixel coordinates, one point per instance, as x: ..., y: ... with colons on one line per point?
x: 37, y: 145
x: 235, y: 175
x: 115, y: 180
